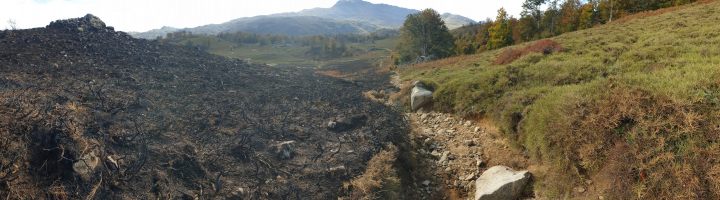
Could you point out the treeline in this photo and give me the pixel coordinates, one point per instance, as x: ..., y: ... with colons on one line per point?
x: 319, y: 46
x: 557, y: 18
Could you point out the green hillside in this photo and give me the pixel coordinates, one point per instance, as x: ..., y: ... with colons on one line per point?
x: 628, y: 110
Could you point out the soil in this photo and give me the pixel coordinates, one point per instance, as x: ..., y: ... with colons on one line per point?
x: 88, y: 112
x: 452, y: 152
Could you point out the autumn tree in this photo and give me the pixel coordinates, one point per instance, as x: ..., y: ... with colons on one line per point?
x: 424, y: 34
x: 500, y: 33
x: 587, y: 15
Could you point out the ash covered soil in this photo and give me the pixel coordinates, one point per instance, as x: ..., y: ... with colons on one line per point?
x: 88, y: 112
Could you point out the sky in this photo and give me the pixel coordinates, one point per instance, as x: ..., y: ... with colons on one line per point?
x: 143, y: 15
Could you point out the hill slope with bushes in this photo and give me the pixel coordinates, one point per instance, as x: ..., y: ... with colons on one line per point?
x: 625, y: 110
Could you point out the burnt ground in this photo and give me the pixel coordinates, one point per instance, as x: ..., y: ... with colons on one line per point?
x: 87, y: 112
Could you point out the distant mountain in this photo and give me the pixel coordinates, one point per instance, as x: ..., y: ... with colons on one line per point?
x: 152, y: 34
x: 346, y: 16
x: 290, y: 25
x: 379, y: 14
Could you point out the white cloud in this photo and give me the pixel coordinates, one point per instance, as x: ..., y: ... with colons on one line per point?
x: 142, y: 15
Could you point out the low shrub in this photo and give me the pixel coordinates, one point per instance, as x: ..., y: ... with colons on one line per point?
x: 546, y: 46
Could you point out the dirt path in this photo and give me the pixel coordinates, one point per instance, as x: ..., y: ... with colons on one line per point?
x: 444, y: 153
x: 454, y: 152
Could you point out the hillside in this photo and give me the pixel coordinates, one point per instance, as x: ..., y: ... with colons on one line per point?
x: 90, y: 113
x: 627, y: 110
x: 379, y: 14
x: 346, y: 16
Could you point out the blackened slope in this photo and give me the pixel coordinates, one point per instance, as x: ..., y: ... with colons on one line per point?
x: 177, y: 121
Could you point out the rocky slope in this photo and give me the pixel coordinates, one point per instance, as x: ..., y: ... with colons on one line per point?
x: 88, y: 112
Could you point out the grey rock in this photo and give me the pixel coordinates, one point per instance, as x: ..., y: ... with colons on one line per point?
x: 284, y: 150
x: 85, y: 166
x: 419, y: 97
x: 500, y: 183
x: 444, y: 157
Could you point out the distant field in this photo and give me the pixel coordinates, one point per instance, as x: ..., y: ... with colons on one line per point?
x: 628, y: 110
x: 289, y: 54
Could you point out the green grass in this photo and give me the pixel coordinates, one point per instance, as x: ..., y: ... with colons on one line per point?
x: 285, y: 55
x: 649, y: 85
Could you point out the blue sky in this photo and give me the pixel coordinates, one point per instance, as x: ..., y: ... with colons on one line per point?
x: 143, y: 15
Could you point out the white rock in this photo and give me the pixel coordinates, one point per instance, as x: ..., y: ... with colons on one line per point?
x: 501, y: 182
x: 419, y: 97
x: 426, y: 182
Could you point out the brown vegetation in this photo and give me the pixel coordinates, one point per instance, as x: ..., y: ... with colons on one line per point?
x: 546, y: 46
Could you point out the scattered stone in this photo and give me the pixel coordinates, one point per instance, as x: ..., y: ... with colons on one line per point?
x: 86, y: 165
x: 579, y: 189
x: 337, y: 168
x: 331, y: 124
x: 479, y: 162
x: 501, y: 182
x: 112, y: 163
x: 444, y: 157
x: 448, y: 169
x: 468, y: 177
x: 436, y: 153
x: 344, y: 124
x: 476, y: 129
x: 469, y: 143
x: 420, y: 96
x: 427, y: 140
x: 284, y: 150
x: 467, y: 123
x: 426, y: 182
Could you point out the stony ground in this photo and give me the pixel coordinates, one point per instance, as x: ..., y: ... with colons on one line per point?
x: 453, y: 152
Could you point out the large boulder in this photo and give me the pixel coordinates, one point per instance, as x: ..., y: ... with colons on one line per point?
x: 88, y: 23
x: 501, y: 183
x: 420, y: 96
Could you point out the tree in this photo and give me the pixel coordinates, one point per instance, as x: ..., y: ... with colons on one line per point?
x: 569, y: 15
x: 551, y: 19
x: 12, y: 24
x: 424, y: 34
x: 500, y: 33
x: 531, y: 18
x: 587, y: 15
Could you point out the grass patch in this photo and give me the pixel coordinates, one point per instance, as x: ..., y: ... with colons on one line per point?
x: 631, y: 105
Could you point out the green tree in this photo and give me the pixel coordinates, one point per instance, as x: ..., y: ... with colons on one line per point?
x: 551, y: 20
x: 531, y: 19
x: 587, y: 15
x: 500, y: 33
x: 424, y: 34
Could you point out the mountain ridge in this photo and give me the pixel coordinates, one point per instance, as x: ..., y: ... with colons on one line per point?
x: 346, y: 16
